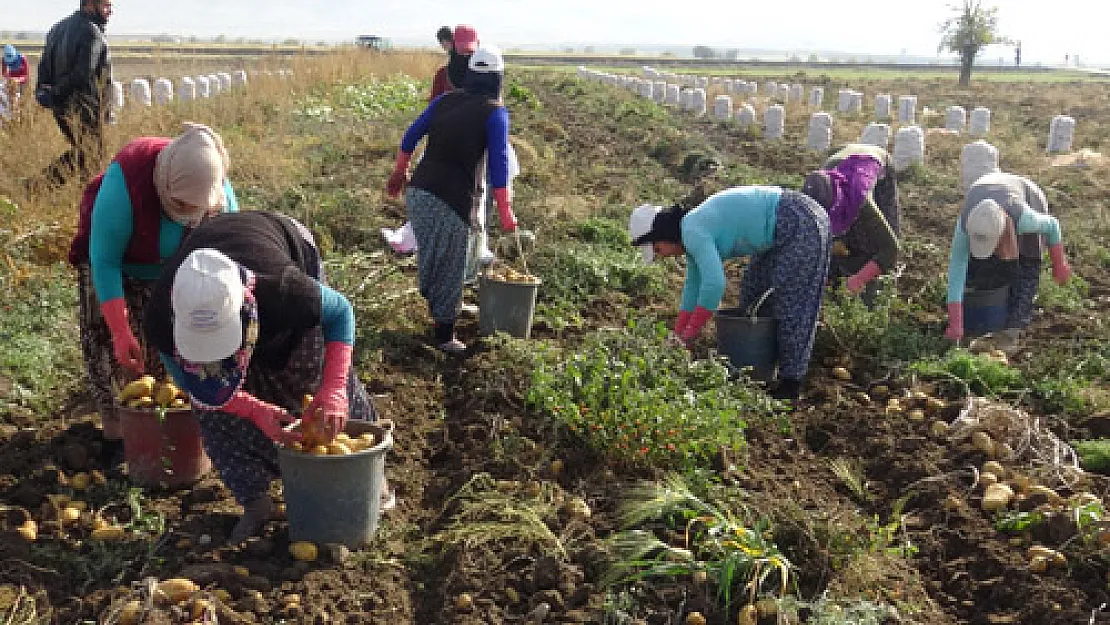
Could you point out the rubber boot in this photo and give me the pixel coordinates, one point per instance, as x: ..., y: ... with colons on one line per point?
x: 256, y: 513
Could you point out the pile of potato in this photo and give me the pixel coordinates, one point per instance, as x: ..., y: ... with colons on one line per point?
x: 508, y: 274
x: 314, y: 439
x: 146, y: 392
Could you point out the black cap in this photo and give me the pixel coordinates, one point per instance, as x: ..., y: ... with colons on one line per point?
x: 445, y: 34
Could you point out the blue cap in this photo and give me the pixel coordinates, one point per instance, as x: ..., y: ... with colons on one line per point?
x: 10, y: 55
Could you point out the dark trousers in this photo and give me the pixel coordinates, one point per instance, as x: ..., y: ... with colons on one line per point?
x: 83, y: 129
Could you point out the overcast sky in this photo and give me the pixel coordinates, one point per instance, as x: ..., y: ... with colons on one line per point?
x: 1048, y: 30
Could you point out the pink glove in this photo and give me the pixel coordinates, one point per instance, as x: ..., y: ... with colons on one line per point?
x: 400, y: 176
x: 124, y: 344
x: 1061, y: 271
x: 266, y: 417
x: 955, y: 329
x: 682, y: 322
x: 329, y: 404
x: 698, y: 319
x: 859, y: 281
x: 505, y: 209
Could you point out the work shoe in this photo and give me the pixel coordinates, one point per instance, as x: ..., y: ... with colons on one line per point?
x: 1008, y: 340
x: 256, y: 513
x: 453, y: 347
x: 469, y: 309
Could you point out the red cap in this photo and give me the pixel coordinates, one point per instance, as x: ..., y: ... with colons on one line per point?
x: 466, y: 39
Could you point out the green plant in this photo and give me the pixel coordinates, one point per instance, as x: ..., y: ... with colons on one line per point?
x: 1094, y: 455
x: 826, y: 611
x: 1015, y: 522
x: 364, y: 101
x: 885, y: 331
x: 850, y: 474
x: 1070, y: 297
x: 979, y: 373
x: 602, y: 230
x: 523, y: 96
x: 641, y: 402
x: 735, y: 551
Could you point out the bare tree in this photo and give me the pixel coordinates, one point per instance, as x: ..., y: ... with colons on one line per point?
x: 971, y: 28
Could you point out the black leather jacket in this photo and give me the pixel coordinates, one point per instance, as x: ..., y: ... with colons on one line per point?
x: 75, y: 69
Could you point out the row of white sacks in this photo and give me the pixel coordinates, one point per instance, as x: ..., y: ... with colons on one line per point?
x: 142, y: 93
x: 694, y: 99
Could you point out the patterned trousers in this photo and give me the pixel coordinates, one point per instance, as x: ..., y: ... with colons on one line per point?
x: 1022, y: 275
x: 441, y: 237
x: 796, y: 266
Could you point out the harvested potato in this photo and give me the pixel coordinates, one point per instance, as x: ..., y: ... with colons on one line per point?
x: 131, y: 613
x: 749, y: 615
x: 938, y: 429
x: 556, y: 467
x: 695, y: 618
x: 841, y: 373
x: 997, y: 497
x: 508, y: 274
x: 29, y: 530
x: 1053, y: 557
x: 109, y: 533
x: 1039, y: 564
x: 983, y: 442
x: 201, y: 607
x: 175, y: 590
x: 986, y: 479
x: 70, y: 515
x: 464, y: 602
x: 992, y: 466
x: 143, y: 387
x: 304, y: 551
x: 577, y: 508
x: 916, y: 414
x: 338, y: 449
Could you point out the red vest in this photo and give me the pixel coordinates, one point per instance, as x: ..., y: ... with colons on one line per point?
x: 136, y: 160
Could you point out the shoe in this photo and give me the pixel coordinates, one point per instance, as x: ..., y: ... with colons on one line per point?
x: 1008, y: 340
x: 256, y: 513
x: 787, y: 389
x: 469, y: 309
x: 453, y: 347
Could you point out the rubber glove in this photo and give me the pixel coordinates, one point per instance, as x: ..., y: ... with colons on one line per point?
x: 698, y: 319
x: 955, y: 329
x: 505, y: 209
x: 124, y: 344
x: 329, y: 404
x: 1061, y: 270
x: 858, y: 282
x: 682, y: 321
x: 400, y: 176
x: 266, y: 417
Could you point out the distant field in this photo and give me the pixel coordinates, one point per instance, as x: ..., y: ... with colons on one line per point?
x: 559, y: 62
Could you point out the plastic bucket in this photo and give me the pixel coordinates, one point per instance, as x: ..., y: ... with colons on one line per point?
x: 165, y: 452
x: 336, y: 499
x: 749, y: 340
x: 985, y: 310
x: 506, y: 307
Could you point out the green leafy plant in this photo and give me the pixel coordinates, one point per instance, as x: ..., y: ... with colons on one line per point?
x: 1094, y: 455
x: 980, y: 373
x: 733, y: 549
x: 1070, y: 297
x: 641, y: 402
x: 1015, y: 522
x: 886, y: 331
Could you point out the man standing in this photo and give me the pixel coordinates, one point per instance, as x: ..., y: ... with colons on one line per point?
x: 73, y: 77
x: 440, y: 83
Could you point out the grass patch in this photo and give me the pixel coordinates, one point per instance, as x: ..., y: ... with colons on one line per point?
x: 978, y: 373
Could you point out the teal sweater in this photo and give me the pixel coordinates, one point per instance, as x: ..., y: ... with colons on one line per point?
x: 112, y: 225
x: 733, y: 223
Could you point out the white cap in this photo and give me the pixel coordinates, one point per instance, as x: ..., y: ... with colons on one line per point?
x: 985, y: 224
x: 487, y: 59
x: 207, y: 299
x: 639, y: 224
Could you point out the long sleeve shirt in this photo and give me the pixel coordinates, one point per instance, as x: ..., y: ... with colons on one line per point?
x: 1024, y: 203
x: 112, y: 226
x: 733, y: 223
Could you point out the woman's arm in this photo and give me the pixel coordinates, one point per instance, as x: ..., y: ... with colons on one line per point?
x: 232, y: 201
x: 110, y: 234
x: 958, y: 258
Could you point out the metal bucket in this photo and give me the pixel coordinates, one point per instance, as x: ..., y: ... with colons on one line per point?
x: 162, y: 452
x: 986, y: 310
x: 506, y: 307
x: 749, y: 340
x: 336, y: 499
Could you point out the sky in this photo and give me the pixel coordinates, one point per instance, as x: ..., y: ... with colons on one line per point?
x: 1048, y: 30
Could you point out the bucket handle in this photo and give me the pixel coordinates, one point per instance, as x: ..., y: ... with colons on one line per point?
x: 759, y: 304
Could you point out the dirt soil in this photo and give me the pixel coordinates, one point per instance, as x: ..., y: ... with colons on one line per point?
x: 459, y: 417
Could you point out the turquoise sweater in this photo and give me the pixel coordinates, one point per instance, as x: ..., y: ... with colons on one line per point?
x: 1031, y: 222
x: 733, y: 223
x: 112, y: 225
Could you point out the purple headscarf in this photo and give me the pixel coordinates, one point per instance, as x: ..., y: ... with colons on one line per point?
x: 843, y: 189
